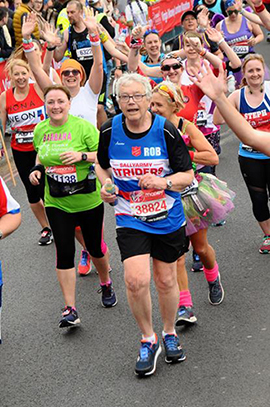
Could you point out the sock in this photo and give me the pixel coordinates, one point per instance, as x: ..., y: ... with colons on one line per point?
x: 211, y: 275
x: 151, y: 339
x: 107, y: 283
x: 185, y: 299
x: 168, y: 333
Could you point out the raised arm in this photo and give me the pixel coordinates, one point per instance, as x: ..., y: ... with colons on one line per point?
x: 257, y: 34
x: 96, y: 76
x: 213, y: 87
x: 40, y: 75
x: 198, y: 47
x: 216, y: 36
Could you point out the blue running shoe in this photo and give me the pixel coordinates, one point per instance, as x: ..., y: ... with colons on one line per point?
x: 70, y: 318
x: 147, y: 359
x: 173, y: 350
x: 197, y: 264
x: 216, y: 292
x: 185, y: 316
x: 108, y: 297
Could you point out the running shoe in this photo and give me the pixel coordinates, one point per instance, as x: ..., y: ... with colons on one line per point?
x: 173, y: 350
x: 221, y: 223
x: 185, y: 316
x: 147, y: 359
x: 197, y: 264
x: 216, y: 292
x: 265, y: 247
x: 70, y: 318
x: 108, y: 297
x: 84, y: 266
x: 46, y: 237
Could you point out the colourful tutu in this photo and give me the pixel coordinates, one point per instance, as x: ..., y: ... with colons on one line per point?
x: 211, y: 203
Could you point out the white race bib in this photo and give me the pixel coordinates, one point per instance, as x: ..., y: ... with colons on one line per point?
x: 84, y: 53
x: 148, y: 205
x: 63, y: 173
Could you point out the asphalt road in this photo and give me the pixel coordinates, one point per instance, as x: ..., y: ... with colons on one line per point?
x: 228, y: 360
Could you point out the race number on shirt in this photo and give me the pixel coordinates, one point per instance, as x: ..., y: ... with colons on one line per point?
x: 84, y: 53
x: 24, y: 137
x: 63, y: 173
x: 148, y: 205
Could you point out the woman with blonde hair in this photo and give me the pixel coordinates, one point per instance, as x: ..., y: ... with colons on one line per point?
x: 205, y: 201
x: 252, y: 100
x: 23, y: 106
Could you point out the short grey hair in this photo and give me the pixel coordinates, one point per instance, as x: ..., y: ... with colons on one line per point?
x: 129, y: 78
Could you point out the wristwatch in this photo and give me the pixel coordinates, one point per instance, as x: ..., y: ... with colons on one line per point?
x: 1, y: 234
x: 84, y: 157
x: 169, y: 183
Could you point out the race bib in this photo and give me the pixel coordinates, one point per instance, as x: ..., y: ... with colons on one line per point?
x: 249, y: 149
x: 63, y: 173
x: 84, y: 53
x: 190, y: 189
x: 148, y: 205
x: 241, y: 49
x: 24, y: 137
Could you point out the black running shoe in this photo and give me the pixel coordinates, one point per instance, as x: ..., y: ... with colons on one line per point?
x: 216, y: 292
x: 46, y: 237
x: 185, y: 316
x: 108, y: 297
x: 70, y: 318
x: 147, y: 359
x: 173, y: 350
x: 197, y: 264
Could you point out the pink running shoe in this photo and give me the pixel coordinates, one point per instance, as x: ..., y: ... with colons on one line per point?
x: 84, y: 266
x: 265, y: 247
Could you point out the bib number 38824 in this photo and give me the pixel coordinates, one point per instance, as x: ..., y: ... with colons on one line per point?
x: 148, y: 205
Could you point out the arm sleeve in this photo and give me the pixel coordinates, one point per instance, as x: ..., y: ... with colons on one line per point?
x: 104, y: 143
x: 179, y: 157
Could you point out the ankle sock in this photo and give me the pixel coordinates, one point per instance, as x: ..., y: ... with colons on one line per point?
x: 211, y: 274
x: 107, y: 283
x: 151, y: 339
x: 185, y: 299
x: 168, y: 333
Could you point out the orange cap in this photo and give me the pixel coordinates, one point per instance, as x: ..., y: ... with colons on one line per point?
x: 73, y: 64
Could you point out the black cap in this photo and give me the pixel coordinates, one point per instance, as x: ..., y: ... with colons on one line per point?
x: 188, y: 13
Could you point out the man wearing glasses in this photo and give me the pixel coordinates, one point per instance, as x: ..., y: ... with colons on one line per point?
x: 150, y: 164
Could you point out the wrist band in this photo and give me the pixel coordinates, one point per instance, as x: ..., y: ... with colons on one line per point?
x: 242, y: 11
x: 94, y: 37
x: 28, y: 47
x: 27, y: 41
x: 103, y: 37
x: 191, y: 153
x: 95, y: 43
x: 136, y: 43
x: 220, y: 41
x: 202, y: 53
x: 38, y: 167
x: 260, y: 8
x: 51, y: 48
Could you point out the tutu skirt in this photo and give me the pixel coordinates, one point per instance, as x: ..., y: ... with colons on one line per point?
x: 210, y: 204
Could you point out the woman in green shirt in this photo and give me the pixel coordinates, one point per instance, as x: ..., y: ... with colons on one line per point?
x: 66, y: 145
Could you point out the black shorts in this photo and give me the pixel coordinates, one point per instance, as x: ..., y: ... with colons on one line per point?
x: 167, y: 248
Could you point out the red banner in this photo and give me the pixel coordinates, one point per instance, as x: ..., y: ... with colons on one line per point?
x: 4, y: 82
x: 166, y: 14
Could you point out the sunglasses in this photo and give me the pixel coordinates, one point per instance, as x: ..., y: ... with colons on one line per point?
x: 230, y: 12
x: 150, y: 32
x: 168, y: 91
x: 74, y: 72
x: 166, y: 68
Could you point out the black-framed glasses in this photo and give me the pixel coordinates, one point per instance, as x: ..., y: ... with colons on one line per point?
x: 138, y: 97
x: 230, y: 12
x: 167, y: 68
x: 74, y: 72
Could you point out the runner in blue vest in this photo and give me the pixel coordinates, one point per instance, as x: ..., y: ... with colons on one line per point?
x: 150, y: 165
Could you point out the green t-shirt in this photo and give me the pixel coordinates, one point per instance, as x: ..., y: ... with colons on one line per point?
x: 75, y: 135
